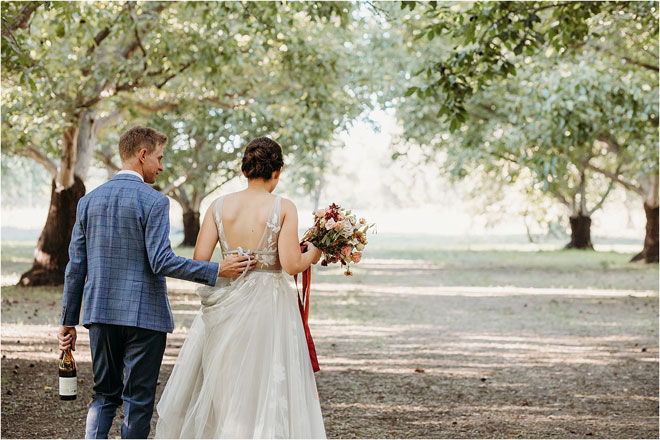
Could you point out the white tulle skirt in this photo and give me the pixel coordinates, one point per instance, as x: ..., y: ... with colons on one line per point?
x: 244, y: 369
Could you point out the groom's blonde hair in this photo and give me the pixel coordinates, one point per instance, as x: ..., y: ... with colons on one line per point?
x: 137, y: 138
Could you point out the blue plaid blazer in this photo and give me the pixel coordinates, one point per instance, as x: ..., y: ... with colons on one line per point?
x: 120, y: 254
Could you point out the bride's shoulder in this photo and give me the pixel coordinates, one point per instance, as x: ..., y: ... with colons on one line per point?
x: 286, y: 203
x: 224, y: 197
x: 287, y: 207
x: 218, y: 202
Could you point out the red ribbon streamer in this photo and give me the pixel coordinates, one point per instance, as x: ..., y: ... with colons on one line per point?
x: 304, y: 310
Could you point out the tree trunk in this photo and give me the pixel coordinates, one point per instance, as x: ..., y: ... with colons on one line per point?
x: 580, y: 233
x: 191, y: 227
x: 85, y: 143
x: 52, y: 253
x: 650, y: 252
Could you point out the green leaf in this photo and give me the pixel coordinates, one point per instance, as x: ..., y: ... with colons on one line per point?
x: 454, y: 125
x: 60, y: 29
x: 33, y: 86
x: 410, y: 91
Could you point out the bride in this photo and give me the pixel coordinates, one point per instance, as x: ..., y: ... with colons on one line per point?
x: 244, y: 369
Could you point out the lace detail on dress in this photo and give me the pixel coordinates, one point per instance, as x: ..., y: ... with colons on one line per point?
x: 267, y: 256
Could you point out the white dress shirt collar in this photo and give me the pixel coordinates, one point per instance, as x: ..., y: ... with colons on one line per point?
x: 134, y: 173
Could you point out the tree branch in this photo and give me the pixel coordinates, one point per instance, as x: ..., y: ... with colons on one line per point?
x: 625, y: 57
x: 561, y: 198
x: 162, y: 106
x: 612, y: 144
x: 175, y: 196
x: 97, y: 95
x: 106, y: 159
x: 107, y: 120
x: 216, y: 101
x: 602, y: 199
x: 184, y: 67
x: 21, y: 20
x: 503, y: 156
x: 617, y: 178
x: 167, y: 105
x: 126, y: 53
x: 218, y: 186
x: 139, y: 42
x: 236, y: 95
x: 183, y: 198
x: 175, y: 185
x: 32, y: 152
x: 102, y: 35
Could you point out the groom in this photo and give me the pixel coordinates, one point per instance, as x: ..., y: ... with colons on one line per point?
x: 120, y: 255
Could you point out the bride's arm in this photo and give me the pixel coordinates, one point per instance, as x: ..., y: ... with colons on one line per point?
x: 291, y: 259
x: 233, y: 265
x: 207, y: 237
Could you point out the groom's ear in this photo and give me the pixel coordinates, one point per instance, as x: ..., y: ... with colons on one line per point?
x: 276, y: 174
x: 142, y: 154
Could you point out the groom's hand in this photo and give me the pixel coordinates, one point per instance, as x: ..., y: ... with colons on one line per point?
x: 67, y: 337
x: 234, y: 265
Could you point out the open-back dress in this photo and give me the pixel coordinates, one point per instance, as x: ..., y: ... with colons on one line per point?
x: 244, y: 370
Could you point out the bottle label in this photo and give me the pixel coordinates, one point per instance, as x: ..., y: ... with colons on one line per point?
x: 68, y: 386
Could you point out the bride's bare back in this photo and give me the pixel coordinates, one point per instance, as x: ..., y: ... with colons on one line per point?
x: 244, y: 216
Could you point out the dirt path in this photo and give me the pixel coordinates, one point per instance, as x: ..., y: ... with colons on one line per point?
x: 403, y: 361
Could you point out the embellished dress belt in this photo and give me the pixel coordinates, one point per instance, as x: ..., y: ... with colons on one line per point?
x: 246, y: 253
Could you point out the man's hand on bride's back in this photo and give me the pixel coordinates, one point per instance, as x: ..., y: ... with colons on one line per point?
x: 315, y: 251
x: 234, y: 265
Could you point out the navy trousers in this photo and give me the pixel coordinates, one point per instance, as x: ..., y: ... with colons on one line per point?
x: 131, y: 353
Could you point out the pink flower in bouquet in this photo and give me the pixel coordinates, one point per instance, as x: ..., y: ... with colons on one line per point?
x: 356, y: 257
x: 346, y: 250
x: 339, y: 226
x: 347, y: 229
x: 330, y: 224
x: 321, y: 213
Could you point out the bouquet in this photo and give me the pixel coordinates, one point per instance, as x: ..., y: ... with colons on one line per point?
x: 339, y: 235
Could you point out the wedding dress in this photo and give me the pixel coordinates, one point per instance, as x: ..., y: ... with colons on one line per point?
x: 244, y: 370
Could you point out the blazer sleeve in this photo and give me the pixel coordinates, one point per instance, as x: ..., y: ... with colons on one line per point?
x: 75, y: 274
x: 159, y: 250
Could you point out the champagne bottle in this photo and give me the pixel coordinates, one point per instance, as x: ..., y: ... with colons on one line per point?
x: 68, y: 377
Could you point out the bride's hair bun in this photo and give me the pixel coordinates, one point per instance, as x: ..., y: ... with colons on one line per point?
x: 261, y: 158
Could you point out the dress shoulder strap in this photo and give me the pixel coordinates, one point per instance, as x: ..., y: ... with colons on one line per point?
x: 217, y: 211
x: 277, y: 210
x: 217, y: 216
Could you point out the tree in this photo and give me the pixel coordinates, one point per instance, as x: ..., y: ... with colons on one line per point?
x: 293, y: 82
x: 489, y: 38
x: 62, y: 65
x: 71, y: 67
x: 479, y: 81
